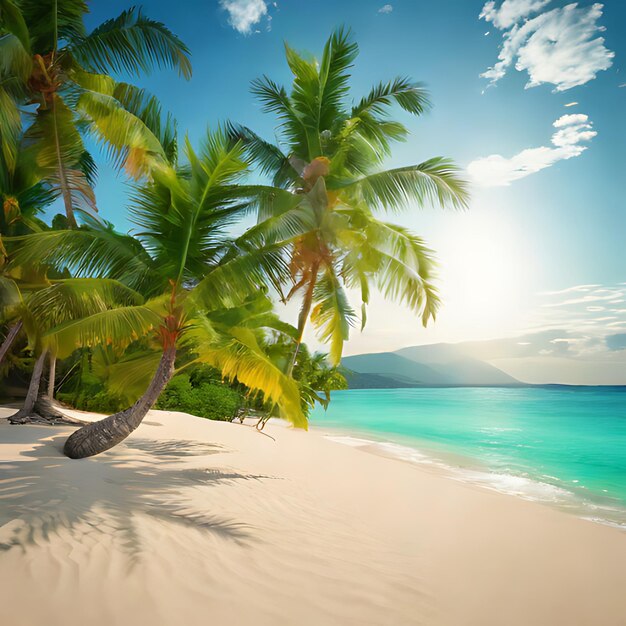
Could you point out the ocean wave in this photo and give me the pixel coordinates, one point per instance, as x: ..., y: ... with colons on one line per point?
x: 523, y: 487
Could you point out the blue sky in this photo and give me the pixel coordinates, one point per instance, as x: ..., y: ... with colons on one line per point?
x: 560, y: 227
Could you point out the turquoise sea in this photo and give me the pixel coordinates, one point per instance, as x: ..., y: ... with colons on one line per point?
x: 561, y: 445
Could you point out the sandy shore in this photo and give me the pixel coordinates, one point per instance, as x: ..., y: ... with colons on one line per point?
x: 198, y: 522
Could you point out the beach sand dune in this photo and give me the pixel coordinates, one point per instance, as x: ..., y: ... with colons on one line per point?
x: 197, y: 522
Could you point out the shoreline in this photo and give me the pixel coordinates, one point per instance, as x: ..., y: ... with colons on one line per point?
x: 473, y: 471
x: 193, y: 521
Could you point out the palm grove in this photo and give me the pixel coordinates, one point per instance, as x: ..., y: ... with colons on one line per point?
x: 184, y: 294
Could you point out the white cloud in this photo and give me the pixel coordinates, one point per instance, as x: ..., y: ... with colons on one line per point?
x: 387, y: 8
x: 583, y: 300
x: 570, y: 104
x: 244, y: 14
x: 575, y: 288
x: 510, y: 11
x: 560, y: 47
x: 496, y: 170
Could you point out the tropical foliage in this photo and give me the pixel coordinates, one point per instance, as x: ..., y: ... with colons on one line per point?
x: 182, y: 311
x: 328, y: 182
x: 57, y: 77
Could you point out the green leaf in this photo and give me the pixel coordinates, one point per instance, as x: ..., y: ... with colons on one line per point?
x: 130, y: 143
x: 75, y: 298
x: 12, y: 21
x: 435, y: 181
x: 120, y: 326
x: 52, y: 21
x: 240, y: 357
x: 410, y: 96
x: 332, y: 314
x: 132, y: 43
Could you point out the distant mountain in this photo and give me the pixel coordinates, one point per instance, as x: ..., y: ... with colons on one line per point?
x: 357, y: 380
x: 422, y: 366
x: 391, y: 365
x: 458, y: 367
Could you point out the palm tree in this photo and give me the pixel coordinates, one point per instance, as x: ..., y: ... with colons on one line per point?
x: 327, y: 178
x: 56, y: 74
x: 184, y: 267
x: 313, y: 374
x: 10, y: 301
x: 24, y: 195
x: 46, y: 307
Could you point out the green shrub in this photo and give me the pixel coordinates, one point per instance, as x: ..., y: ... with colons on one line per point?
x: 176, y: 394
x: 101, y: 401
x: 211, y: 400
x: 205, y: 374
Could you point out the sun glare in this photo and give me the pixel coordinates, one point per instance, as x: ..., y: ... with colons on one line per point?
x: 486, y: 275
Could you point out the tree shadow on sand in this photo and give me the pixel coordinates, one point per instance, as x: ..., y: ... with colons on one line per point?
x: 43, y: 493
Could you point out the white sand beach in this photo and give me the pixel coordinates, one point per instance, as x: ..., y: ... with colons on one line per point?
x: 197, y: 522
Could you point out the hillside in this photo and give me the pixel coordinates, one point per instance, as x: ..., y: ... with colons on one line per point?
x: 431, y: 365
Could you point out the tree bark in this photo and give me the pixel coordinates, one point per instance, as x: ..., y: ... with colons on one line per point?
x: 9, y: 339
x: 33, y: 387
x: 37, y: 407
x: 51, y: 377
x: 104, y: 434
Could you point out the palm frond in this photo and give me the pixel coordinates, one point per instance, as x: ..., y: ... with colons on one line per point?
x: 274, y: 99
x: 436, y: 180
x: 75, y: 298
x: 97, y: 252
x: 87, y: 165
x: 12, y: 21
x: 120, y: 326
x: 332, y: 314
x: 15, y: 63
x: 148, y: 109
x: 240, y: 357
x: 138, y: 102
x: 132, y: 43
x: 399, y: 263
x: 269, y: 159
x: 266, y: 201
x: 52, y: 21
x: 130, y: 375
x: 410, y: 96
x: 58, y: 151
x: 129, y: 142
x: 244, y: 270
x: 10, y: 129
x: 339, y: 54
x: 185, y: 216
x: 10, y: 296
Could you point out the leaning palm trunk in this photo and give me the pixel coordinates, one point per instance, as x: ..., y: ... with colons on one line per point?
x: 37, y: 407
x: 52, y: 376
x: 99, y: 436
x: 33, y: 388
x: 9, y: 339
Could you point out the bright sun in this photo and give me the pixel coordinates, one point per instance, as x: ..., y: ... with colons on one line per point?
x: 486, y: 275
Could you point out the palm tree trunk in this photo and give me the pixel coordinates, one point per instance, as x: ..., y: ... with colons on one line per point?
x: 52, y: 376
x: 9, y: 339
x: 104, y: 434
x: 304, y: 316
x: 32, y: 393
x: 37, y: 407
